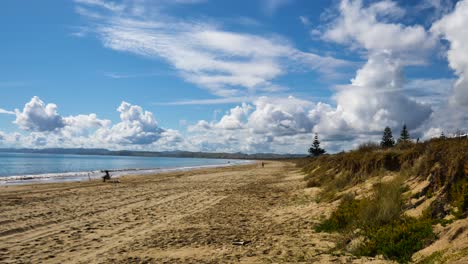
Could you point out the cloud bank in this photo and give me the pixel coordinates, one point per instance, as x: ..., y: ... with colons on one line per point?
x: 237, y: 67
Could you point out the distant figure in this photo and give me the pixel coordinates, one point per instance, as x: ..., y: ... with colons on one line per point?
x: 263, y: 164
x: 417, y: 141
x: 106, y: 177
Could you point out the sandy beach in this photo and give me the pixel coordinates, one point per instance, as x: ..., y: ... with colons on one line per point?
x: 244, y: 214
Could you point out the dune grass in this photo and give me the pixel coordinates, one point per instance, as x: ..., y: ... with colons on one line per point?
x: 379, y: 218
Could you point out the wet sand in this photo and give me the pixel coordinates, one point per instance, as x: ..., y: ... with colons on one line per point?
x: 244, y: 214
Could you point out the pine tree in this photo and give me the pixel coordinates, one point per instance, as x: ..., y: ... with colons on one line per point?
x: 387, y: 139
x: 442, y: 135
x: 315, y: 150
x: 404, y: 135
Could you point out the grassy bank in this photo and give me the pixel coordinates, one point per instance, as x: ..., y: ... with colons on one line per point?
x: 375, y: 224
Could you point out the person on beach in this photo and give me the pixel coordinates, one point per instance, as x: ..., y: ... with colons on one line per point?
x: 106, y: 177
x: 263, y: 164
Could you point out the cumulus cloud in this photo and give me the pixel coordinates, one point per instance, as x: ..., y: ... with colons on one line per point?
x: 451, y: 116
x: 37, y: 116
x: 265, y: 125
x: 376, y: 96
x: 375, y: 99
x: 453, y: 27
x: 280, y: 117
x: 136, y: 127
x: 370, y: 27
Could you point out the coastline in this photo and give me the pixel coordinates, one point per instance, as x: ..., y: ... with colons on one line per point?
x: 81, y: 176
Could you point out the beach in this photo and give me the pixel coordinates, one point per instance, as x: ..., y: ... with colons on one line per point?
x: 244, y: 213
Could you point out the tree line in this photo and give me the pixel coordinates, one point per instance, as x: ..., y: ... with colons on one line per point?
x: 387, y: 141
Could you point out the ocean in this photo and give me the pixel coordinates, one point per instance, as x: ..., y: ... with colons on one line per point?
x: 17, y: 168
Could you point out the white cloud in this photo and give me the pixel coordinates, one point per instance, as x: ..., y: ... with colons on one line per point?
x: 453, y: 27
x: 434, y: 92
x: 136, y: 127
x: 3, y: 111
x: 376, y: 96
x: 224, y: 62
x: 451, y: 115
x: 374, y: 99
x: 83, y: 125
x: 271, y: 6
x: 304, y: 20
x: 111, y: 6
x: 268, y: 125
x: 367, y: 27
x: 37, y: 116
x: 280, y: 117
x: 438, y: 8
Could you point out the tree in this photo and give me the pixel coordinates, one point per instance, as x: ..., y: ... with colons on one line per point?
x: 387, y: 139
x: 315, y: 150
x: 442, y: 135
x: 404, y: 135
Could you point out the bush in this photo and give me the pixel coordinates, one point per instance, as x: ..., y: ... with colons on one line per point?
x: 343, y: 217
x: 398, y: 240
x: 379, y: 219
x: 384, y: 206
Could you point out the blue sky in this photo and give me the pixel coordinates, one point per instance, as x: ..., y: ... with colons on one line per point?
x: 251, y: 76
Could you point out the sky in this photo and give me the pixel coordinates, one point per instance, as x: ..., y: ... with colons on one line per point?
x: 230, y: 76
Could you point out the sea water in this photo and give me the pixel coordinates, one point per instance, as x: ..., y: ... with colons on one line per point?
x: 31, y: 167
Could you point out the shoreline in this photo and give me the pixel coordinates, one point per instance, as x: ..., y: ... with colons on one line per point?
x: 81, y: 176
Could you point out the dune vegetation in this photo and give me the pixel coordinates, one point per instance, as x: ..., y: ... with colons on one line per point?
x: 415, y: 187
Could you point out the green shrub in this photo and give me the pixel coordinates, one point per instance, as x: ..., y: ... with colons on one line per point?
x: 398, y: 240
x: 459, y: 195
x: 343, y: 217
x: 379, y: 218
x: 384, y: 206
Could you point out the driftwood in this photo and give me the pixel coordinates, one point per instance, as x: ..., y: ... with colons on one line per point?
x: 240, y: 242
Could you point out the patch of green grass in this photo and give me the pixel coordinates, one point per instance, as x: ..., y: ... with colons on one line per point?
x: 398, y: 240
x: 379, y: 218
x: 459, y: 195
x: 342, y: 218
x: 436, y: 257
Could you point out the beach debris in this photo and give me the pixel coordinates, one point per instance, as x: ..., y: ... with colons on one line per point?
x: 240, y: 242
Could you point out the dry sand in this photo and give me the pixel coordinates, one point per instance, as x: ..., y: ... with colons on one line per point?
x: 181, y: 217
